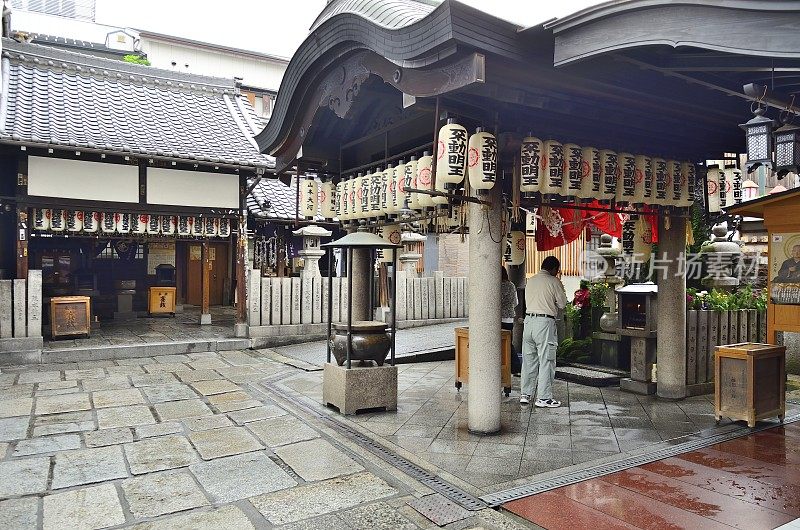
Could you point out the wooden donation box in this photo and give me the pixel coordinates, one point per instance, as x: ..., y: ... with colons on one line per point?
x: 462, y: 358
x: 161, y: 300
x: 70, y: 315
x: 749, y: 382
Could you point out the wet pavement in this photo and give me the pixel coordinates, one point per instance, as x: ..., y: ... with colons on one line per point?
x: 750, y: 482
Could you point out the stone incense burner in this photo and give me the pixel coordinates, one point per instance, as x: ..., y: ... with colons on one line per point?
x: 371, y: 342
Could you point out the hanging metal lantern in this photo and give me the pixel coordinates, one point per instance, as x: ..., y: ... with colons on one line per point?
x: 168, y: 223
x: 124, y: 222
x: 787, y: 149
x: 451, y: 162
x: 108, y: 223
x: 531, y: 160
x: 482, y: 160
x: 424, y: 179
x: 573, y: 170
x: 308, y: 198
x: 688, y: 176
x: 758, y: 135
x: 626, y: 185
x: 643, y: 180
x: 733, y: 187
x: 554, y: 167
x: 660, y: 182
x: 609, y: 164
x: 41, y: 218
x: 326, y: 200
x: 715, y: 179
x: 154, y: 226
x: 410, y: 179
x: 91, y: 221
x: 591, y: 173
x: 515, y: 248
x: 675, y: 186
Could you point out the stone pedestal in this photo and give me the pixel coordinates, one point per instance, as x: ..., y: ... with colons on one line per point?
x: 124, y: 307
x: 359, y: 388
x: 311, y: 252
x: 485, y: 250
x: 409, y: 264
x: 611, y: 350
x: 643, y: 356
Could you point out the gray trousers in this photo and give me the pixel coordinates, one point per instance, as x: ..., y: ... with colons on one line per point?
x: 539, y: 343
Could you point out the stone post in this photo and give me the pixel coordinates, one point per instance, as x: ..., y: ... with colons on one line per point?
x: 361, y: 268
x: 671, y: 323
x: 485, y: 250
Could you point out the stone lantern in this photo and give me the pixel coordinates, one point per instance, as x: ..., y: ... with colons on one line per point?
x: 610, y: 319
x: 311, y: 252
x: 410, y: 257
x: 720, y: 257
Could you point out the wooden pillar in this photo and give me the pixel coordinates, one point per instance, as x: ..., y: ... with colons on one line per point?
x: 240, y: 328
x: 205, y: 268
x: 22, y: 242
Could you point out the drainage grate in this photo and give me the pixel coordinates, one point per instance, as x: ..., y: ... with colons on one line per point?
x: 444, y: 488
x: 440, y: 510
x: 526, y: 490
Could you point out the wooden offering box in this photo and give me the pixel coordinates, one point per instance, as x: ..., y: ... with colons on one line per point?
x: 161, y: 300
x: 462, y: 358
x: 70, y: 315
x: 749, y: 382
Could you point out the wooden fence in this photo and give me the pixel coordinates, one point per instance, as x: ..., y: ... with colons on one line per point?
x: 570, y: 256
x: 707, y: 329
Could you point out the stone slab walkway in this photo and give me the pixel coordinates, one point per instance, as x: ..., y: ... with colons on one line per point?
x: 187, y: 441
x: 410, y: 341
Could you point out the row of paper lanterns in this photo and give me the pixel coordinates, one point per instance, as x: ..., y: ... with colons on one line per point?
x: 724, y: 187
x: 75, y: 221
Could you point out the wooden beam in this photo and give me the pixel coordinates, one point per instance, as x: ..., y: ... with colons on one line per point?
x: 23, y: 231
x: 205, y: 267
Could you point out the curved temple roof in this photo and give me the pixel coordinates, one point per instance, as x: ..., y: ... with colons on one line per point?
x: 391, y: 14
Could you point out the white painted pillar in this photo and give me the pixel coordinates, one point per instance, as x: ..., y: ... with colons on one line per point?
x: 485, y: 236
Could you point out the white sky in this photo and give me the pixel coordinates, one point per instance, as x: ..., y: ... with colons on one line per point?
x: 278, y: 26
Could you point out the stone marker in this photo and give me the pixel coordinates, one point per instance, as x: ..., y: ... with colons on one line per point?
x: 336, y: 289
x: 20, y: 314
x: 307, y: 301
x: 34, y: 303
x: 6, y: 316
x: 438, y: 281
x: 254, y: 298
x: 402, y: 299
x: 266, y: 297
x: 277, y: 301
x: 425, y: 301
x: 316, y: 300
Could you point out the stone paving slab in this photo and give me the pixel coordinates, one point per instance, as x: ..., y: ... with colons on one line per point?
x: 87, y: 466
x: 65, y: 403
x: 204, y: 423
x: 24, y: 477
x: 94, y: 507
x: 282, y: 430
x: 227, y: 441
x: 47, y: 444
x: 16, y: 407
x: 105, y: 437
x: 19, y: 513
x: 161, y: 493
x: 13, y: 428
x: 159, y: 454
x: 176, y: 410
x: 124, y: 416
x: 328, y: 462
x: 238, y: 477
x: 117, y: 397
x: 225, y: 517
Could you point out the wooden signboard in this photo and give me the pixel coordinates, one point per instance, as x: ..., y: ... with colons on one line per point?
x: 70, y: 315
x: 161, y: 300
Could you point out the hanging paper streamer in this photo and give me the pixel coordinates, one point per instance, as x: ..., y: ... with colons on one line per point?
x: 626, y: 186
x: 41, y: 218
x: 514, y: 248
x: 482, y: 160
x: 713, y: 177
x: 451, y: 163
x: 531, y: 164
x: 91, y: 221
x: 662, y: 180
x: 573, y: 175
x: 326, y: 200
x: 688, y: 175
x: 424, y: 180
x: 609, y: 164
x: 554, y: 166
x: 591, y: 173
x: 308, y: 198
x: 530, y: 223
x: 124, y: 222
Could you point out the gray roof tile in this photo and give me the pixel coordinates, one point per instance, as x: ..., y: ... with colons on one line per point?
x: 59, y: 98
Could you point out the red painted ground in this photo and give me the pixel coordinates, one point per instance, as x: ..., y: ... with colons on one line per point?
x: 751, y: 482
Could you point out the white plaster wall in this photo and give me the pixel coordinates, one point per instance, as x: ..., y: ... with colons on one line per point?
x: 81, y: 179
x: 178, y: 187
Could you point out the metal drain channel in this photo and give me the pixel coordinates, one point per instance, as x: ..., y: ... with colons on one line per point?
x: 526, y: 490
x: 444, y: 488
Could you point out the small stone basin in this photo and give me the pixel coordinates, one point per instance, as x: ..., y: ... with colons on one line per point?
x: 371, y: 342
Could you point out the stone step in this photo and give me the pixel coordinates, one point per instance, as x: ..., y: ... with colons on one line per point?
x: 127, y: 351
x: 586, y: 376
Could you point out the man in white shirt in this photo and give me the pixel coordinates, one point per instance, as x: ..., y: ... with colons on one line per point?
x: 544, y: 300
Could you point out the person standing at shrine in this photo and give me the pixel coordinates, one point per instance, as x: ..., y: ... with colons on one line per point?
x: 545, y: 299
x: 508, y: 310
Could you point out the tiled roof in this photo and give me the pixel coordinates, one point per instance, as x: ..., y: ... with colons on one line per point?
x: 272, y: 199
x: 391, y: 14
x: 57, y: 98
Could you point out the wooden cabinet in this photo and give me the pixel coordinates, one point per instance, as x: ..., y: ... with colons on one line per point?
x: 749, y: 382
x: 161, y: 300
x: 70, y: 315
x: 462, y: 358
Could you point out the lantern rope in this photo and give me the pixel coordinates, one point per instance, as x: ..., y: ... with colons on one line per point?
x: 516, y: 184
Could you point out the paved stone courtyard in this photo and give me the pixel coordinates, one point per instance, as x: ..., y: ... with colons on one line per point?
x: 186, y: 441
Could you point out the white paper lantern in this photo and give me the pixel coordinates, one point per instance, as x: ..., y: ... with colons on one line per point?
x: 410, y: 182
x: 210, y: 226
x: 91, y: 221
x: 168, y: 223
x: 154, y: 225
x: 308, y: 198
x: 397, y: 184
x: 530, y: 224
x: 364, y: 207
x: 73, y: 220
x: 661, y: 181
x: 224, y: 228
x: 58, y: 219
x: 609, y: 165
x: 108, y: 222
x: 482, y: 160
x: 326, y: 200
x: 337, y: 204
x: 139, y: 223
x: 41, y: 218
x: 355, y: 206
x: 674, y: 186
x: 425, y: 180
x: 532, y: 164
x: 553, y: 178
x: 124, y: 222
x: 454, y: 215
x: 591, y: 173
x: 344, y: 201
x: 198, y: 228
x: 573, y: 170
x: 185, y: 225
x: 441, y: 188
x: 515, y: 248
x: 392, y: 234
x: 688, y: 176
x: 733, y: 187
x: 643, y: 175
x: 451, y: 163
x: 626, y: 185
x: 714, y: 177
